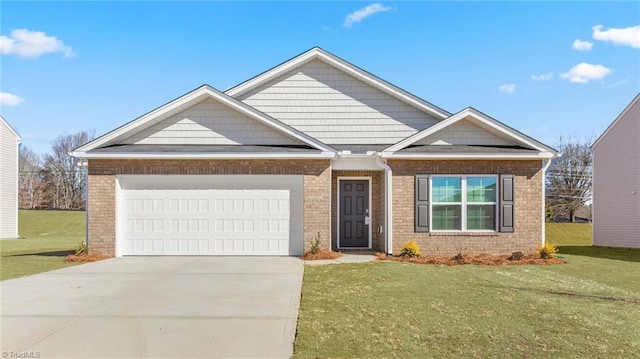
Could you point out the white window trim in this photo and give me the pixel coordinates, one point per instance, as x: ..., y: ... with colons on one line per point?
x: 464, y: 204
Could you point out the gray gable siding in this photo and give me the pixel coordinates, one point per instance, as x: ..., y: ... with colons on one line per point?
x: 209, y: 123
x: 464, y: 133
x: 616, y: 209
x: 336, y: 108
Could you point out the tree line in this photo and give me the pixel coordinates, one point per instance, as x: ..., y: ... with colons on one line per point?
x: 53, y: 180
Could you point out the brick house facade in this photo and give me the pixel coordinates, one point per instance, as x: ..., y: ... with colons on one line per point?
x: 313, y: 147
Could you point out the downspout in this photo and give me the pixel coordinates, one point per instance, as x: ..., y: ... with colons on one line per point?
x: 388, y: 201
x: 545, y: 167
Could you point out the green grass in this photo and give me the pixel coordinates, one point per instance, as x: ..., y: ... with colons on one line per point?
x: 46, y: 238
x: 416, y: 311
x: 587, y: 308
x: 573, y: 234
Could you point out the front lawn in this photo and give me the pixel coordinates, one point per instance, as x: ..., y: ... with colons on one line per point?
x: 587, y: 308
x: 46, y: 238
x: 569, y: 234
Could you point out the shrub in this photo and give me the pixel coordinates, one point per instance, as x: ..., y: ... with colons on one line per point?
x: 410, y: 250
x: 459, y: 257
x: 82, y: 249
x: 314, y: 246
x: 547, y: 251
x: 516, y: 256
x: 549, y: 213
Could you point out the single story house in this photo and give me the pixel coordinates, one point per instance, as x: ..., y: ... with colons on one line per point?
x: 9, y: 142
x: 616, y: 181
x: 315, y: 147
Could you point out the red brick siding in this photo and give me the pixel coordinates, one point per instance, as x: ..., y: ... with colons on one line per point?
x: 528, y: 207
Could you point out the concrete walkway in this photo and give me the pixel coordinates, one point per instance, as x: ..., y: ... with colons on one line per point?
x: 346, y: 258
x: 155, y: 307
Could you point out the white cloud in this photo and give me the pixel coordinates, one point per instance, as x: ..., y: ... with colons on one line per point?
x: 507, y: 88
x: 363, y: 13
x: 9, y: 99
x: 582, y: 45
x: 542, y: 77
x: 583, y: 72
x: 27, y: 43
x: 628, y: 36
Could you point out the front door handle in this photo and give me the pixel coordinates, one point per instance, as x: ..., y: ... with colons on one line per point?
x: 367, y: 220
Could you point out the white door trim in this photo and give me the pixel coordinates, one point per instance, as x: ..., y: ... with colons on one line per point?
x: 340, y: 178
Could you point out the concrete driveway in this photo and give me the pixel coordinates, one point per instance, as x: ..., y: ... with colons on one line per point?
x: 180, y: 307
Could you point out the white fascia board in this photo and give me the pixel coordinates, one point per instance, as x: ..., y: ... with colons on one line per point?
x: 11, y: 129
x: 633, y: 102
x: 475, y: 115
x: 271, y: 122
x: 392, y: 90
x: 467, y: 156
x: 355, y: 164
x: 426, y: 132
x: 194, y: 96
x: 144, y: 119
x: 509, y: 131
x: 221, y: 156
x: 317, y: 53
x: 270, y: 74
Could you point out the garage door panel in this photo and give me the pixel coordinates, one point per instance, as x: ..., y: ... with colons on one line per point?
x: 207, y: 221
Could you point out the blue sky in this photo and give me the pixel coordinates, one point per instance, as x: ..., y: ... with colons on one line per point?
x: 545, y: 68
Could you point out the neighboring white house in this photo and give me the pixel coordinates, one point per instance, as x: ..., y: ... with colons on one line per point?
x: 9, y: 140
x: 616, y: 181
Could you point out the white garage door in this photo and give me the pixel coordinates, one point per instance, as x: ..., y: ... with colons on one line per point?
x: 210, y: 215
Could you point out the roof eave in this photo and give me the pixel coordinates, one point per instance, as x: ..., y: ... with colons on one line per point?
x: 204, y: 156
x: 479, y: 116
x: 468, y: 156
x: 192, y: 96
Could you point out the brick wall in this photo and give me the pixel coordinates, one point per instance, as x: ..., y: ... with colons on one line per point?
x: 376, y: 210
x: 102, y: 190
x: 527, y: 233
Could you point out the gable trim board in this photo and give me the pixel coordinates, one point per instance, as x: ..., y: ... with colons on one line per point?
x: 350, y: 69
x: 11, y: 129
x: 193, y: 97
x: 620, y: 116
x: 474, y: 115
x: 491, y: 148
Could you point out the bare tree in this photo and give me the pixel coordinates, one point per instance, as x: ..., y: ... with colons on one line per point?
x: 31, y: 186
x: 64, y: 180
x: 569, y: 177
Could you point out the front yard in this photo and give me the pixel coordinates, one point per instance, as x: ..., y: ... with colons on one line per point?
x: 46, y: 238
x: 588, y: 307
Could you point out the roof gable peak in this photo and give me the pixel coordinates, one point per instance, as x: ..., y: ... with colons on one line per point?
x: 317, y: 53
x: 188, y: 100
x: 473, y: 115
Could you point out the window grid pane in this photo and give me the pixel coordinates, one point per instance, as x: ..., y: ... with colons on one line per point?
x: 447, y: 217
x: 481, y: 189
x: 447, y: 189
x: 481, y: 217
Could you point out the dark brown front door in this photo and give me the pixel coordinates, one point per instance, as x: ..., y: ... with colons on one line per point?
x: 354, y: 213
